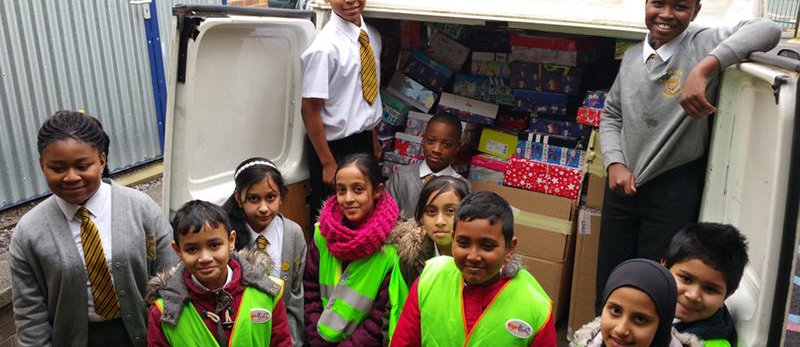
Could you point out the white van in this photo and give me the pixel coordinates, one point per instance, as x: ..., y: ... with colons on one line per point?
x: 234, y: 92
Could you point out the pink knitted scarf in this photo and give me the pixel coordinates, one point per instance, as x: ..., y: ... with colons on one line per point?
x: 347, y: 244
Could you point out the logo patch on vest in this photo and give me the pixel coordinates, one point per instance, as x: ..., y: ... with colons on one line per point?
x: 519, y: 328
x: 260, y: 315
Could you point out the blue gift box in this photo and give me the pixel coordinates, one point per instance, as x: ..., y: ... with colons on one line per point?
x: 412, y: 92
x: 551, y: 154
x: 493, y: 90
x: 541, y: 102
x: 427, y: 72
x: 562, y: 128
x: 595, y: 99
x: 546, y: 78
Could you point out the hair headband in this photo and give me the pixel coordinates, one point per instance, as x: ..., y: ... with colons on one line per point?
x: 251, y: 164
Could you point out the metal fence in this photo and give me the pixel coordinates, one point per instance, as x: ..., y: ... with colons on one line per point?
x: 783, y: 12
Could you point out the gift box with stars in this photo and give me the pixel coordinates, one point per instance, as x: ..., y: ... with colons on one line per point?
x: 542, y: 177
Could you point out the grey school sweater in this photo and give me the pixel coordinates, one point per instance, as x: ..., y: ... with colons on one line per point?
x: 643, y: 124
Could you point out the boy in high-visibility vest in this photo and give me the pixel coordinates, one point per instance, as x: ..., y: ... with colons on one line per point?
x: 214, y: 297
x: 480, y: 296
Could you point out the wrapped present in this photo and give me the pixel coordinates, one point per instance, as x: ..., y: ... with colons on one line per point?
x: 497, y: 143
x: 594, y: 99
x: 540, y: 102
x: 387, y: 143
x: 388, y: 168
x: 416, y: 123
x: 544, y: 152
x: 493, y: 90
x: 621, y: 46
x: 483, y: 174
x: 490, y: 40
x: 489, y: 161
x: 385, y: 130
x: 515, y: 122
x: 411, y: 35
x: 565, y: 51
x: 427, y: 72
x: 447, y: 51
x: 408, y: 145
x: 394, y: 109
x: 525, y: 76
x: 468, y: 110
x: 556, y: 140
x: 394, y: 157
x: 589, y: 116
x: 559, y: 79
x: 454, y: 31
x: 542, y: 177
x: 490, y: 64
x: 562, y: 128
x: 412, y: 92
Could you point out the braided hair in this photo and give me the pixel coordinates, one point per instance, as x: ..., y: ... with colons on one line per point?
x: 76, y: 125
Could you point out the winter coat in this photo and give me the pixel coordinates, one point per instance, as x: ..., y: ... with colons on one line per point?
x: 589, y: 336
x: 414, y: 248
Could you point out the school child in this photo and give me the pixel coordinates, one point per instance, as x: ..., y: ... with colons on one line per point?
x: 440, y: 143
x: 254, y: 210
x: 707, y: 260
x: 480, y: 296
x: 214, y: 297
x: 430, y: 234
x: 341, y: 105
x: 638, y: 309
x: 654, y: 146
x: 351, y: 278
x: 81, y: 258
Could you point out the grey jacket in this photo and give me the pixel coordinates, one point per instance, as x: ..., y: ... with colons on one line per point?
x: 293, y: 262
x: 49, y: 278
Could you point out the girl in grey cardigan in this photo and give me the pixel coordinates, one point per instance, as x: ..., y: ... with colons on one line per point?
x: 253, y: 209
x: 53, y: 298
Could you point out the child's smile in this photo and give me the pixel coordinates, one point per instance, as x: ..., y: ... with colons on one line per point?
x: 666, y: 19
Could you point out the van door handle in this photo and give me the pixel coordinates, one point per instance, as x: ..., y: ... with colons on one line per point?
x: 140, y: 2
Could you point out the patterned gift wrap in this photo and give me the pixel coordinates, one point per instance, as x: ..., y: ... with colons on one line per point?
x: 493, y: 90
x: 594, y: 99
x: 427, y: 72
x: 490, y: 64
x: 589, y: 116
x: 387, y: 143
x: 416, y: 123
x: 447, y: 51
x: 412, y: 92
x: 540, y: 102
x: 560, y: 79
x: 394, y: 109
x: 489, y: 161
x: 468, y: 110
x: 564, y: 51
x: 552, y: 154
x: 408, y: 146
x: 525, y: 76
x: 482, y: 174
x: 399, y: 159
x: 542, y: 177
x: 561, y: 128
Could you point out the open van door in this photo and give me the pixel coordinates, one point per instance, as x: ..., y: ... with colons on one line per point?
x: 752, y: 182
x: 234, y: 92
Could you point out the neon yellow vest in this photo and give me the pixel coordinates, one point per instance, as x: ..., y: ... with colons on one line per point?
x: 513, y: 318
x: 348, y: 297
x: 717, y: 343
x: 192, y: 331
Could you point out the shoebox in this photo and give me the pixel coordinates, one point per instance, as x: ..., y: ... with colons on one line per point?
x: 385, y: 130
x: 589, y: 116
x: 584, y: 270
x: 494, y: 90
x: 595, y: 189
x: 555, y: 279
x: 454, y: 31
x: 412, y: 92
x: 490, y: 40
x: 551, y: 154
x: 387, y: 143
x: 421, y: 68
x: 525, y: 76
x: 412, y: 35
x: 487, y: 175
x: 555, y: 140
x: 560, y: 79
x: 488, y: 161
x: 554, y: 104
x: 468, y: 110
x: 558, y: 50
x: 561, y: 128
x: 543, y: 177
x: 394, y: 109
x: 497, y: 143
x: 408, y: 145
x: 490, y: 64
x: 394, y: 157
x: 594, y: 99
x: 512, y: 121
x: 416, y: 123
x: 447, y: 51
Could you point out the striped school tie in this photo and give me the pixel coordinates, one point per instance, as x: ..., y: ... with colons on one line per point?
x: 106, y: 303
x: 427, y: 179
x: 369, y: 79
x: 262, y: 243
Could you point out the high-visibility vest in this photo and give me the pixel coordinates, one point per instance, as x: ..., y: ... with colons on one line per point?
x: 252, y: 327
x: 717, y: 343
x: 513, y: 318
x: 347, y: 297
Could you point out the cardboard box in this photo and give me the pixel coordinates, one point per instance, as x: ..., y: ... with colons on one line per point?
x: 416, y: 123
x: 494, y: 90
x: 412, y: 92
x: 427, y: 72
x: 555, y: 278
x: 497, y: 143
x: 447, y: 51
x: 595, y: 191
x: 394, y: 109
x: 543, y: 224
x: 584, y: 273
x: 490, y: 64
x: 468, y: 110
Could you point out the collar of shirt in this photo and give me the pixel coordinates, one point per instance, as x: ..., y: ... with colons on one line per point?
x: 227, y: 280
x: 665, y: 51
x: 96, y: 204
x: 425, y: 170
x: 271, y: 232
x: 349, y: 29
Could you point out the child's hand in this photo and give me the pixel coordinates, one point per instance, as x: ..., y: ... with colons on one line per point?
x: 693, y: 97
x: 376, y: 145
x: 328, y: 170
x: 621, y: 180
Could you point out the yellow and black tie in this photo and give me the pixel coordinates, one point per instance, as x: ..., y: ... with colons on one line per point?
x: 369, y: 79
x: 427, y: 179
x: 106, y: 303
x: 262, y: 243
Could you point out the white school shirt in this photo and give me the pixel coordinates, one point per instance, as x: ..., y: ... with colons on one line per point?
x: 332, y: 71
x: 274, y: 234
x: 425, y: 170
x: 665, y: 51
x: 99, y: 206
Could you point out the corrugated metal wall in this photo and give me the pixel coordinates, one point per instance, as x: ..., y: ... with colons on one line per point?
x: 77, y: 54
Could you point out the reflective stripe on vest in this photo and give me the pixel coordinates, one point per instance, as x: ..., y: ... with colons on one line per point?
x: 717, y: 343
x: 192, y: 331
x: 347, y: 297
x: 513, y: 317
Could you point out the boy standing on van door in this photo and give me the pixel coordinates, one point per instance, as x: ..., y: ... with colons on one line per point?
x: 654, y: 128
x: 341, y: 104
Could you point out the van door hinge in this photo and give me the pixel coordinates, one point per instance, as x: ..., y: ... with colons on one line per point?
x: 776, y: 86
